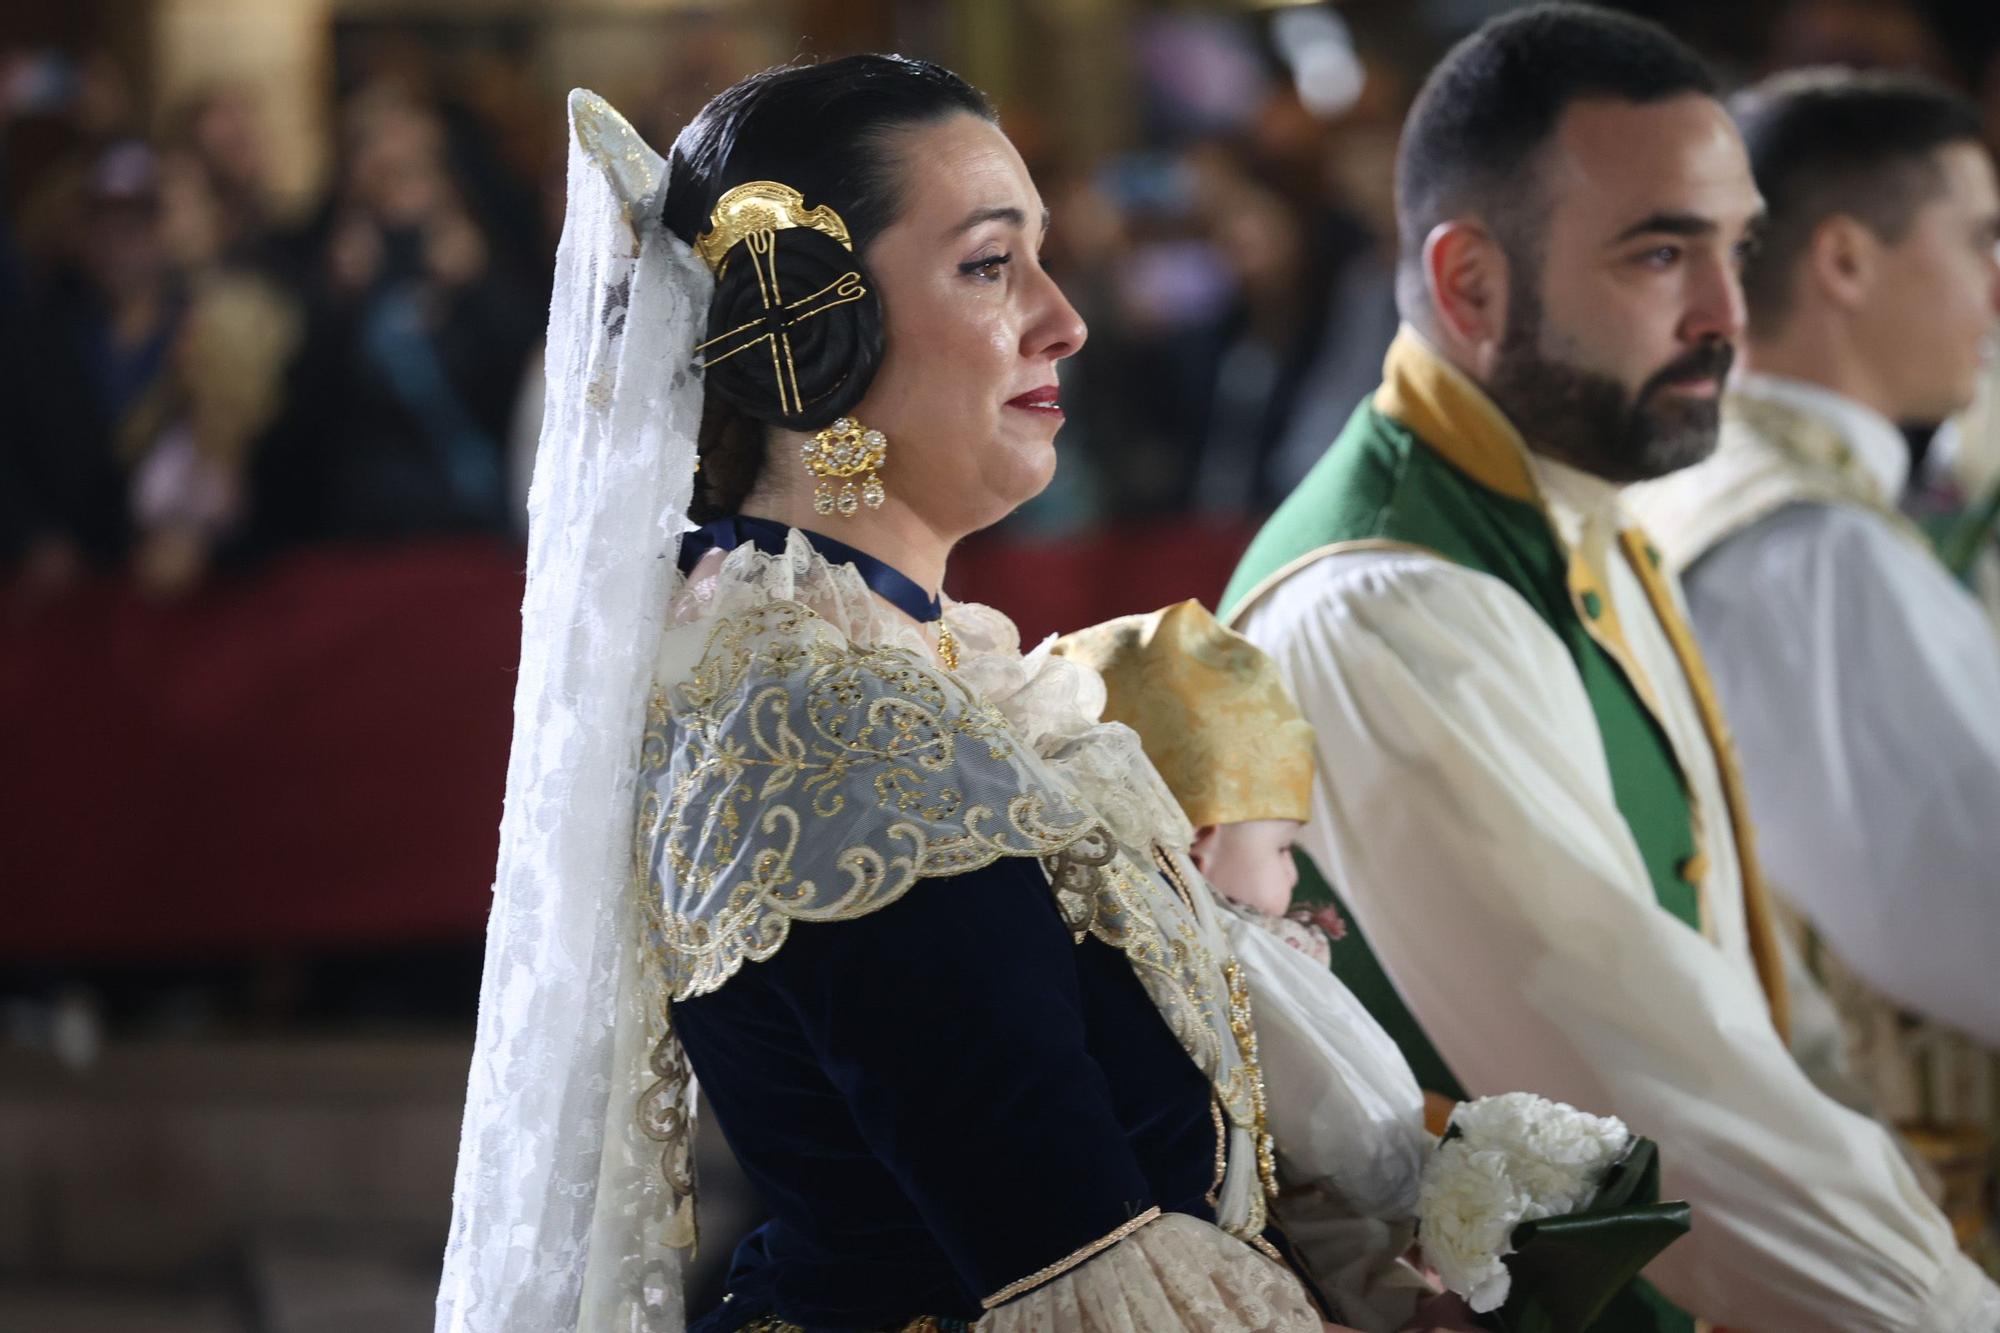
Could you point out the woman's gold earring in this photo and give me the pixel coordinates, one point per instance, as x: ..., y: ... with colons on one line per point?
x: 840, y: 453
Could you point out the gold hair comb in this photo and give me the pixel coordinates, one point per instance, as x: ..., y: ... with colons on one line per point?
x: 761, y: 206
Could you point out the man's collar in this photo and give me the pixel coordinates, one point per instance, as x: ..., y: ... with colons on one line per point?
x: 1449, y: 412
x: 1878, y: 446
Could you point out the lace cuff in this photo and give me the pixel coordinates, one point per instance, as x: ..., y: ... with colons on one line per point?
x: 1176, y: 1273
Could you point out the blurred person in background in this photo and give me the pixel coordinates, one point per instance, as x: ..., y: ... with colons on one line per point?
x: 61, y: 501
x: 221, y: 134
x: 80, y: 361
x: 1535, y: 818
x: 415, y: 342
x: 142, y: 376
x: 1863, y: 34
x: 1861, y: 678
x: 1355, y: 152
x: 1262, y: 345
x: 1955, y: 486
x: 143, y: 370
x: 1242, y: 281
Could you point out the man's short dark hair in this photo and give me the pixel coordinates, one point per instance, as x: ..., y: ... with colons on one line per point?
x: 1831, y: 142
x: 1470, y: 143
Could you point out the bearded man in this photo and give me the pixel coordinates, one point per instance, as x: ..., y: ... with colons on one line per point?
x: 1528, y: 799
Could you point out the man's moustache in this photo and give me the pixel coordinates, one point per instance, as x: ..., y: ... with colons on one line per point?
x: 1710, y: 361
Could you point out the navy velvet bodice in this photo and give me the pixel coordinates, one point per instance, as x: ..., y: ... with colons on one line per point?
x: 939, y: 1099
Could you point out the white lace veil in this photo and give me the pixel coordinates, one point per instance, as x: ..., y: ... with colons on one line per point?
x: 561, y: 1217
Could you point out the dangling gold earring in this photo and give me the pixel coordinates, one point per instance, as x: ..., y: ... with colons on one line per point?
x: 843, y: 451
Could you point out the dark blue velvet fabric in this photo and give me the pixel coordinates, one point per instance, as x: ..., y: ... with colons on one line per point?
x: 939, y: 1099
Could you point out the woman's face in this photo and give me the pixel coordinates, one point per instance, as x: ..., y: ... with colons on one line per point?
x: 966, y: 392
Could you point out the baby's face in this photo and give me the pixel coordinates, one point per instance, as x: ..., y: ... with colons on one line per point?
x: 1251, y: 863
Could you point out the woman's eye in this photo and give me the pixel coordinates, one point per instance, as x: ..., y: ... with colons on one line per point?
x: 986, y: 270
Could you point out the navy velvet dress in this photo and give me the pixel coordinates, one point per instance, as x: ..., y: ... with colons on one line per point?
x: 938, y: 1100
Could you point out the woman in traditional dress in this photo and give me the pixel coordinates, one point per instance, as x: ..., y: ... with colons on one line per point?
x: 924, y: 928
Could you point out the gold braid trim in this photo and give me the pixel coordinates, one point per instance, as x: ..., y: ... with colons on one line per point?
x: 1757, y: 909
x: 928, y: 1323
x: 1244, y: 1029
x: 1061, y: 1266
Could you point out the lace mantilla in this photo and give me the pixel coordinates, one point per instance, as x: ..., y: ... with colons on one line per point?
x: 562, y: 1221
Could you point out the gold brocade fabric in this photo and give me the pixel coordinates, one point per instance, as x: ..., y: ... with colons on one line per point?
x: 1211, y: 710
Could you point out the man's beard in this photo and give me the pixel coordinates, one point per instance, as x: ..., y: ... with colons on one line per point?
x: 1590, y: 421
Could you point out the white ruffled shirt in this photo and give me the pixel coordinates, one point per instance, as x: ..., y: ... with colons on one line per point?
x: 1470, y: 824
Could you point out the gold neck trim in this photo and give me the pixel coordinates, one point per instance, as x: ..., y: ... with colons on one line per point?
x: 1453, y: 415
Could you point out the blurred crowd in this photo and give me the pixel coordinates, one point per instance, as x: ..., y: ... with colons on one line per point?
x: 196, y: 377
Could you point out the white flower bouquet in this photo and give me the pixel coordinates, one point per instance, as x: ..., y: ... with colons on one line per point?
x: 1539, y: 1214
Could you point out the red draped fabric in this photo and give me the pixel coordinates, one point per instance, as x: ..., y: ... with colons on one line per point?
x: 315, y: 754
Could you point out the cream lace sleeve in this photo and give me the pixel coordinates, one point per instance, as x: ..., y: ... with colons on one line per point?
x: 1174, y: 1273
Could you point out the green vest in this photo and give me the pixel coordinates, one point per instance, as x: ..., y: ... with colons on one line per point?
x: 1381, y: 484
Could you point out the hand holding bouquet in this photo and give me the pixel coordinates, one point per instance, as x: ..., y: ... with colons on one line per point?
x: 1539, y: 1214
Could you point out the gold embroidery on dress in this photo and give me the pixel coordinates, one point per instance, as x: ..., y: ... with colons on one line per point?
x: 1242, y: 1026
x: 665, y: 1114
x: 785, y: 727
x: 1068, y: 1261
x: 1214, y: 1195
x: 922, y: 1324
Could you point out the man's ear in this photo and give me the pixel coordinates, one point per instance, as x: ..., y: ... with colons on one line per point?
x: 1466, y: 280
x: 1842, y: 261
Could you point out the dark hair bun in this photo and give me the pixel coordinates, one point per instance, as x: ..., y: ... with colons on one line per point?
x: 834, y: 344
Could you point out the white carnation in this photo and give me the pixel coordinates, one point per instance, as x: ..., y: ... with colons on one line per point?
x: 1467, y: 1207
x: 1559, y: 1154
x: 1516, y: 1157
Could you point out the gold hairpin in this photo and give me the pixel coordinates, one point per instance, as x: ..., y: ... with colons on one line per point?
x: 762, y: 206
x: 773, y: 326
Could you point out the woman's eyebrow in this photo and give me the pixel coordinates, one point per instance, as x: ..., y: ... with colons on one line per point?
x: 1005, y: 213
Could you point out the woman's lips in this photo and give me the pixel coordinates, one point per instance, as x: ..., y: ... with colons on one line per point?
x: 1043, y: 400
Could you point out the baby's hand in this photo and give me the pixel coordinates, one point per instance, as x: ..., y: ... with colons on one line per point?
x: 1327, y: 918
